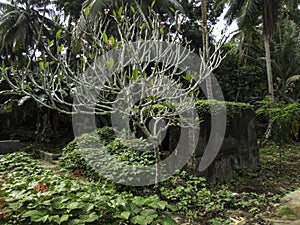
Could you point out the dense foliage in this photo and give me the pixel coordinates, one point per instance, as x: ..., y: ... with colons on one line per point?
x: 30, y: 194
x: 36, y: 36
x: 42, y: 33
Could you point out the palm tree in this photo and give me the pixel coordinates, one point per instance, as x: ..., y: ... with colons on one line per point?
x: 205, y: 47
x: 24, y: 25
x: 95, y: 10
x: 248, y: 14
x: 290, y: 10
x: 286, y: 63
x: 162, y: 6
x: 270, y: 16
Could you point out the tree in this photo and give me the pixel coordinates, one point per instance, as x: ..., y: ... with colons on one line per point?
x: 253, y: 13
x: 71, y: 8
x: 205, y: 47
x: 141, y: 82
x: 94, y: 9
x: 286, y: 64
x: 270, y: 16
x: 25, y: 26
x: 247, y: 13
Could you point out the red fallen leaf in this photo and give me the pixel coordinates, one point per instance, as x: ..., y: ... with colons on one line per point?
x: 3, y: 203
x: 41, y: 187
x: 4, y: 216
x: 78, y: 172
x: 223, y: 186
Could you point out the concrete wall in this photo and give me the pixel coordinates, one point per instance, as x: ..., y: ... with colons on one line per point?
x: 9, y: 146
x: 239, y: 148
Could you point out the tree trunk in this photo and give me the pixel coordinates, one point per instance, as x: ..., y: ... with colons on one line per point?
x: 157, y: 170
x: 269, y: 66
x: 205, y: 46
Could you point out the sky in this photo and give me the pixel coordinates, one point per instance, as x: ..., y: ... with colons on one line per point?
x: 222, y: 27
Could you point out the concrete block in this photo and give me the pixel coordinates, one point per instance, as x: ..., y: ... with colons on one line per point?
x: 9, y: 146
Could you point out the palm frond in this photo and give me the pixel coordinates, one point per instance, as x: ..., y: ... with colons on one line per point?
x: 176, y: 5
x: 293, y: 79
x: 249, y: 13
x: 9, y: 17
x: 6, y: 6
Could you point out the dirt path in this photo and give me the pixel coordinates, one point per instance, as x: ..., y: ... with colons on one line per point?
x: 289, y: 210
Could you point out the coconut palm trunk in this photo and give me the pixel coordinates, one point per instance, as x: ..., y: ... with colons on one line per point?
x: 270, y: 16
x: 269, y: 66
x: 205, y: 47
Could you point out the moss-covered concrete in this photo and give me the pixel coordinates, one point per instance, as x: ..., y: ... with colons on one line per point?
x: 239, y: 148
x: 290, y: 206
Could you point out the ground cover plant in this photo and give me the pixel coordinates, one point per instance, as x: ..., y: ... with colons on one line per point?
x: 48, y: 50
x: 31, y: 194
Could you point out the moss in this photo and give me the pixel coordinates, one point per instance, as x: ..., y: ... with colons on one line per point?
x: 287, y: 213
x: 232, y: 108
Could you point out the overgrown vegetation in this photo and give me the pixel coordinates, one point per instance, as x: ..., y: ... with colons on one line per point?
x: 124, y: 150
x: 285, y: 119
x: 34, y: 195
x: 43, y: 59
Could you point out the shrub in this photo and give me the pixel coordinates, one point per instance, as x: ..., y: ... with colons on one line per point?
x: 285, y: 118
x: 91, y: 150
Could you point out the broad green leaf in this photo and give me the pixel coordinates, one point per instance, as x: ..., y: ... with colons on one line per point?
x: 161, y: 204
x: 74, y: 205
x: 172, y: 207
x: 60, y: 48
x: 50, y: 43
x: 76, y: 222
x: 87, y: 11
x: 58, y: 34
x: 54, y: 218
x: 104, y: 37
x: 42, y: 65
x: 135, y: 74
x: 138, y: 220
x: 120, y: 11
x: 167, y: 221
x: 148, y: 212
x: 34, y: 215
x: 125, y: 215
x: 139, y: 201
x: 43, y: 219
x: 152, y: 4
x: 89, y: 218
x: 90, y: 207
x: 132, y: 8
x: 64, y: 218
